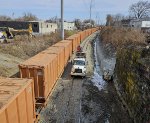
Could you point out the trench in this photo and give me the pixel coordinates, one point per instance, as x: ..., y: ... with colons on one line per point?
x: 101, y: 103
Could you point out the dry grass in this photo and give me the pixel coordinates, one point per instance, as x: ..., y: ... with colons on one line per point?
x: 119, y: 37
x: 24, y: 47
x: 69, y: 33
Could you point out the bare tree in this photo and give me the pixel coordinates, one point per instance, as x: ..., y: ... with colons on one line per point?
x: 140, y: 10
x: 89, y: 21
x: 27, y: 17
x: 109, y: 20
x: 5, y: 18
x: 117, y: 19
x: 53, y: 20
x: 78, y: 23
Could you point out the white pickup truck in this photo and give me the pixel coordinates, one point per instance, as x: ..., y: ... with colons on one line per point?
x: 79, y: 65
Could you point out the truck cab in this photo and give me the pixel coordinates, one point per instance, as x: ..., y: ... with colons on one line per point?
x: 79, y: 67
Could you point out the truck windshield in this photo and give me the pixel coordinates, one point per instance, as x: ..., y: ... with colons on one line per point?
x: 79, y: 62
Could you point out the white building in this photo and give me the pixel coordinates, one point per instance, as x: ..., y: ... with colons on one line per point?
x: 68, y: 25
x: 44, y: 27
x: 145, y: 24
x: 48, y: 27
x: 140, y: 24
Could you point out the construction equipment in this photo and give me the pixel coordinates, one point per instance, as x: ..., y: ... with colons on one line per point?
x: 22, y: 31
x: 7, y: 34
x: 2, y: 37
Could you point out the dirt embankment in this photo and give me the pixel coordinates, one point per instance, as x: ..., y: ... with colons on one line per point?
x: 23, y: 47
x: 111, y: 39
x: 100, y: 102
x: 115, y: 40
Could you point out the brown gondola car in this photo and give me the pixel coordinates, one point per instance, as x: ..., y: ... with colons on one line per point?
x: 43, y: 69
x: 17, y: 103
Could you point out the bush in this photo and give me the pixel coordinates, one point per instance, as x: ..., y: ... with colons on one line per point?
x: 119, y: 37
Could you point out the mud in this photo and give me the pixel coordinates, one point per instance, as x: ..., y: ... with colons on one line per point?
x: 102, y: 106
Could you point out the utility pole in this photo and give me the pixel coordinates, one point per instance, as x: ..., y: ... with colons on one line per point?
x: 96, y: 20
x: 91, y: 11
x: 62, y: 19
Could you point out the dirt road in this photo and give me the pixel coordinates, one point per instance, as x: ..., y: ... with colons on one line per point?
x: 88, y: 100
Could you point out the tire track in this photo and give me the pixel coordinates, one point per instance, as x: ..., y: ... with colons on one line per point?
x: 73, y: 111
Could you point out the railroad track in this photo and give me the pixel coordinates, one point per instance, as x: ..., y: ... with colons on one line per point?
x: 73, y: 111
x: 66, y: 103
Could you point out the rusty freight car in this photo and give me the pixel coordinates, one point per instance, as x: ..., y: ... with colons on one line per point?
x: 43, y: 69
x: 17, y: 103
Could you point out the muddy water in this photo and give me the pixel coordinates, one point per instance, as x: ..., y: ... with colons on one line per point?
x: 98, y: 66
x: 102, y: 60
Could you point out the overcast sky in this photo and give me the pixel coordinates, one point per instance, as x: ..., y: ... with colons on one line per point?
x: 45, y: 9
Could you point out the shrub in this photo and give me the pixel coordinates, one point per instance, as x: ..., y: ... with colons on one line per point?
x: 119, y: 37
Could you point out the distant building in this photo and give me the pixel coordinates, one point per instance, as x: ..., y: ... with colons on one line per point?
x: 141, y: 24
x: 40, y: 27
x: 68, y: 25
x: 44, y: 27
x: 126, y: 22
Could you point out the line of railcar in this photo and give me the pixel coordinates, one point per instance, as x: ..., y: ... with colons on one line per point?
x: 21, y: 97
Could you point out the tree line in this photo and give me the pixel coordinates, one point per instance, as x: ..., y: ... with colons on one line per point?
x: 24, y: 17
x: 139, y: 10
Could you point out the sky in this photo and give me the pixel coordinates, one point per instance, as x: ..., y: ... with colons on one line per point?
x: 73, y: 9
